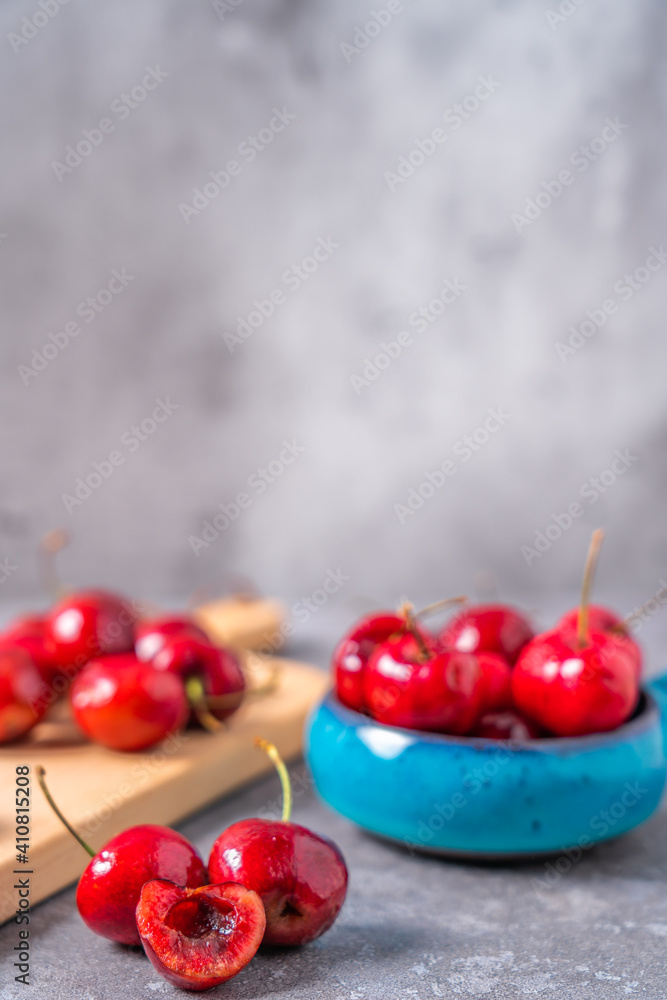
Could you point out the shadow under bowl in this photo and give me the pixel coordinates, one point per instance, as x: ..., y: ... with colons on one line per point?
x: 488, y: 799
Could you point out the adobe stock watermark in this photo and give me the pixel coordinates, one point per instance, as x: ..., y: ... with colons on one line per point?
x: 625, y: 288
x: 363, y: 34
x: 420, y: 319
x: 129, y: 612
x: 454, y: 116
x: 464, y: 449
x: 301, y: 782
x: 130, y: 442
x: 258, y: 483
x: 581, y: 158
x: 637, y: 618
x: 7, y: 568
x: 87, y: 310
x: 32, y: 24
x: 292, y: 279
x: 121, y: 107
x: 224, y: 7
x: 565, y: 11
x: 247, y: 150
x: 601, y: 824
x: 591, y: 491
x: 303, y: 610
x: 149, y: 765
x: 471, y: 784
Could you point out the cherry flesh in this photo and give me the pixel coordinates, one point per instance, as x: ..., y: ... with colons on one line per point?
x: 199, y: 938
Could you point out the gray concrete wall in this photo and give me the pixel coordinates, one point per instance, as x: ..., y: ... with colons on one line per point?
x: 331, y: 174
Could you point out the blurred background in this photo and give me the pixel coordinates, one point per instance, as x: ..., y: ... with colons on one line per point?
x: 370, y: 293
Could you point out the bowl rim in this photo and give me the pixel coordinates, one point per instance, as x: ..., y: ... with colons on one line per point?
x: 646, y: 716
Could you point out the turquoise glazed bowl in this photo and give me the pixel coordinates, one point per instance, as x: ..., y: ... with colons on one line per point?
x: 475, y: 797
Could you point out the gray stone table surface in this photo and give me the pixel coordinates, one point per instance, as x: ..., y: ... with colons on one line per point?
x: 413, y: 927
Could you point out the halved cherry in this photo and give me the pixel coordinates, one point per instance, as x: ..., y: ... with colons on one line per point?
x: 199, y: 938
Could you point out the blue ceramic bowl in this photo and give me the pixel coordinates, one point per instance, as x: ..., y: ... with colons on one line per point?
x: 475, y: 797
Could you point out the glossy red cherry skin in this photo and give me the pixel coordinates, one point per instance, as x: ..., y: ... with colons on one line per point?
x: 496, y: 683
x: 506, y: 725
x: 300, y: 876
x: 603, y: 620
x: 151, y: 633
x: 22, y: 702
x: 29, y: 632
x: 109, y: 889
x: 89, y: 624
x: 352, y: 652
x: 186, y: 655
x: 490, y: 628
x: 438, y: 693
x: 572, y: 691
x: 126, y: 704
x: 599, y: 618
x: 199, y: 938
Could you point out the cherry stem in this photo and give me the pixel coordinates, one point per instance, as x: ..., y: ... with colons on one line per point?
x: 41, y: 774
x: 198, y: 701
x: 406, y: 611
x: 587, y: 585
x: 437, y: 605
x: 51, y: 544
x: 272, y: 751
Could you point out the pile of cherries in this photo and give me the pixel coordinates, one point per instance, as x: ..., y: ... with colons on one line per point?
x: 488, y: 674
x: 131, y: 682
x: 268, y: 882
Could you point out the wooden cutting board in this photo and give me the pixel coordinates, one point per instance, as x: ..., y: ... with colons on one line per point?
x: 245, y: 622
x: 102, y: 792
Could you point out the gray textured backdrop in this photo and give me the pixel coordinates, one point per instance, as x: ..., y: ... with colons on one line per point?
x: 331, y: 174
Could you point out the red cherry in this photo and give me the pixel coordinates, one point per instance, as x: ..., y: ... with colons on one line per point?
x: 89, y: 624
x: 496, y: 683
x: 199, y: 938
x: 29, y: 632
x: 187, y: 655
x: 109, y: 889
x: 599, y: 618
x: 352, y: 652
x: 571, y: 689
x: 22, y: 702
x: 505, y: 726
x: 126, y: 704
x: 421, y: 686
x: 603, y: 620
x: 300, y: 876
x: 491, y: 628
x: 151, y: 633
